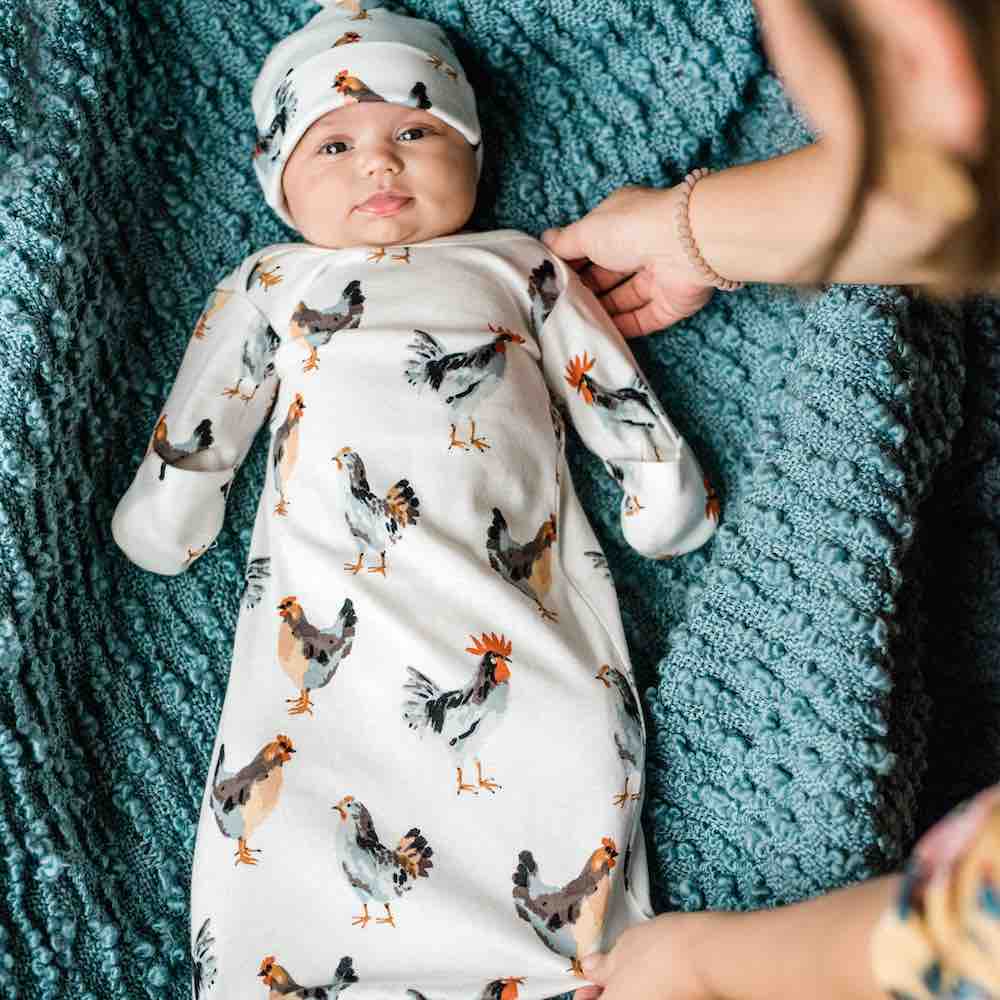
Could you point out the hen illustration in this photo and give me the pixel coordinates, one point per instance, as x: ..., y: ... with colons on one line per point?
x: 203, y: 963
x: 543, y: 290
x: 357, y: 90
x: 462, y: 379
x: 264, y: 276
x: 628, y: 731
x: 172, y: 453
x: 623, y: 411
x: 375, y: 523
x: 315, y: 327
x: 242, y: 801
x: 282, y: 985
x: 569, y: 920
x: 466, y: 716
x: 347, y: 38
x: 372, y: 870
x: 525, y: 565
x: 309, y: 655
x: 285, y: 453
x: 216, y: 300
x: 257, y: 360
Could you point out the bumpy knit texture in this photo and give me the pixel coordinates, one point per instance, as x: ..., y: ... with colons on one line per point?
x: 821, y: 681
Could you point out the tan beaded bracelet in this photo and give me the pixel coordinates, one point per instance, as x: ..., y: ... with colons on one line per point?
x: 687, y: 240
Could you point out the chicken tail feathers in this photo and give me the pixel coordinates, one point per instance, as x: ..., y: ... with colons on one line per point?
x: 420, y: 368
x: 414, y: 854
x: 203, y: 433
x: 498, y: 537
x: 415, y: 709
x: 526, y: 869
x: 344, y: 976
x: 347, y: 618
x: 403, y: 502
x: 418, y: 96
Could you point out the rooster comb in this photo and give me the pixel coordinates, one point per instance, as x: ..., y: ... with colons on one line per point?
x: 577, y: 368
x: 489, y: 643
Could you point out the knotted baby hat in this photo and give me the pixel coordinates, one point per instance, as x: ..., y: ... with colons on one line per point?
x: 354, y: 50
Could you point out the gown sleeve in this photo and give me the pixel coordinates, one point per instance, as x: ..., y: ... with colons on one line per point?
x: 668, y: 506
x: 222, y: 393
x: 940, y: 937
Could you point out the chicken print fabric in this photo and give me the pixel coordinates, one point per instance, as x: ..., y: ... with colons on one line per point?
x: 428, y: 774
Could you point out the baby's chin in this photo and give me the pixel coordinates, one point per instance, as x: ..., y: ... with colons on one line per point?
x: 366, y: 229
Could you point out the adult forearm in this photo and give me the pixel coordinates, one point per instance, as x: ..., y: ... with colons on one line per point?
x: 769, y: 221
x: 818, y: 949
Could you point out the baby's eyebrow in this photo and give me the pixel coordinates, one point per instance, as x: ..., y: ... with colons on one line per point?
x: 338, y: 129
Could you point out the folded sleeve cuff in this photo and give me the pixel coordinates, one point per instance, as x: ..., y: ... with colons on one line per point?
x: 666, y: 510
x: 169, y: 516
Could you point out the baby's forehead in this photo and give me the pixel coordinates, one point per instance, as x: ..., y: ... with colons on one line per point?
x: 365, y: 112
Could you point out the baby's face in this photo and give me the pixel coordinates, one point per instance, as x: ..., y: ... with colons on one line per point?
x: 361, y: 148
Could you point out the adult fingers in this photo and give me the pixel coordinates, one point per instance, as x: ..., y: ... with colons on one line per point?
x: 599, y: 279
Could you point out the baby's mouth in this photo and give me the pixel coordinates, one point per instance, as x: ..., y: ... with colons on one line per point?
x: 384, y: 204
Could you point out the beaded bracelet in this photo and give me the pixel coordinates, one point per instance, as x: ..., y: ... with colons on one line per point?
x: 687, y: 240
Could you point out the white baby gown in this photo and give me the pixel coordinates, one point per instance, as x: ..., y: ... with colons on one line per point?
x: 428, y: 774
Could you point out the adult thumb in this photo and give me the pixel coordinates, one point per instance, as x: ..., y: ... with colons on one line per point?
x: 567, y: 242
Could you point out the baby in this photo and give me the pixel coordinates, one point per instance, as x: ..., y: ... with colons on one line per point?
x: 428, y: 775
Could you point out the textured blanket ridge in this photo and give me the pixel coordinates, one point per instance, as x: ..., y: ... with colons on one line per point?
x: 820, y: 681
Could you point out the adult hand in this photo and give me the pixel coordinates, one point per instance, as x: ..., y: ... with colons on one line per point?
x: 626, y: 252
x: 656, y: 960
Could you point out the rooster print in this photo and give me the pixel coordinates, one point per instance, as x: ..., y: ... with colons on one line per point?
x: 627, y: 733
x: 353, y: 89
x: 375, y: 872
x: 542, y: 292
x: 625, y: 411
x: 309, y: 655
x: 285, y: 105
x: 173, y: 453
x: 617, y: 473
x: 215, y: 302
x: 569, y: 920
x: 265, y: 276
x: 525, y: 565
x: 283, y: 985
x: 285, y: 452
x: 316, y: 327
x: 461, y: 379
x: 203, y: 964
x: 374, y: 522
x: 464, y: 717
x: 241, y: 801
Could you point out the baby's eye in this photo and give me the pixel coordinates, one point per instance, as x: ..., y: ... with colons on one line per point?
x: 327, y: 145
x: 413, y: 128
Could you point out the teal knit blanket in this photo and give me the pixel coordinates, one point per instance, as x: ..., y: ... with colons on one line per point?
x: 820, y: 682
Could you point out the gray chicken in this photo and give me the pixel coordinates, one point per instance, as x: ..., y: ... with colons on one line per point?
x: 173, y: 453
x: 203, y: 963
x: 628, y: 733
x: 283, y: 985
x: 315, y: 327
x: 374, y: 871
x: 630, y: 410
x: 374, y: 522
x: 570, y: 920
x: 256, y: 573
x: 462, y: 379
x: 243, y: 800
x: 257, y: 360
x: 310, y: 655
x: 525, y: 565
